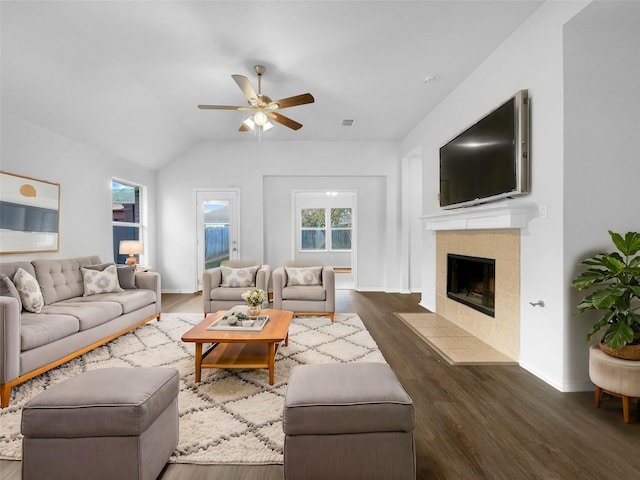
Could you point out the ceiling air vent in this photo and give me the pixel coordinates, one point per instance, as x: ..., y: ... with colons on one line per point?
x: 347, y: 123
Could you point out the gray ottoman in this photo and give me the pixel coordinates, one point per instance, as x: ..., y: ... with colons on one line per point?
x: 102, y: 424
x: 348, y: 421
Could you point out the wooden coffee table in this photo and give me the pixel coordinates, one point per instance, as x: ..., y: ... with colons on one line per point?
x: 233, y: 349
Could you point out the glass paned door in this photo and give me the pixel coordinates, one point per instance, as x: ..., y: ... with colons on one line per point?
x: 216, y: 232
x: 217, y: 229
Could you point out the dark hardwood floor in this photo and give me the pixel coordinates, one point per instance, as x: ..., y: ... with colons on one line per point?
x: 472, y: 422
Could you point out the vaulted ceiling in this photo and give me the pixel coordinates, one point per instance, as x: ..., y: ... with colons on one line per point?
x: 125, y: 77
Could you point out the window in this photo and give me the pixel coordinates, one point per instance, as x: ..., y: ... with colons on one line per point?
x: 313, y: 229
x: 340, y: 229
x: 126, y: 215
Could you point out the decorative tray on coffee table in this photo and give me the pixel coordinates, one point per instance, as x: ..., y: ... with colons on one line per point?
x: 251, y: 324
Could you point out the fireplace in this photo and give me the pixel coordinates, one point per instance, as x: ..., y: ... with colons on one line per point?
x: 501, y: 331
x: 471, y: 281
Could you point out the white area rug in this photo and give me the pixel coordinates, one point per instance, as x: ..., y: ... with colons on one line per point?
x: 232, y: 416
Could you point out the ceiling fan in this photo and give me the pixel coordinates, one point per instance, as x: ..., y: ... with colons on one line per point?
x: 262, y: 107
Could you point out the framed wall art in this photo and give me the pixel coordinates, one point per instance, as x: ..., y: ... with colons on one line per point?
x: 29, y: 214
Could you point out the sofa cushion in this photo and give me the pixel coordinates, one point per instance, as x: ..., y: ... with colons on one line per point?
x: 61, y: 279
x: 303, y: 276
x: 29, y: 291
x: 9, y: 269
x: 228, y: 294
x: 8, y: 289
x: 312, y: 292
x: 129, y: 300
x: 238, y: 277
x: 89, y: 314
x: 97, y: 281
x: 37, y: 329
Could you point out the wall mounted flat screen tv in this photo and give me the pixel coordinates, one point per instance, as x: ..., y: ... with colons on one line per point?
x: 490, y: 159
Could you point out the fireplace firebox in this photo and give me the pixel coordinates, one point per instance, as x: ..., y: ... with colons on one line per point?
x: 471, y: 281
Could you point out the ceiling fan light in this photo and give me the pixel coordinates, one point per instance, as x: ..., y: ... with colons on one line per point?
x: 249, y: 123
x: 260, y: 118
x: 267, y: 126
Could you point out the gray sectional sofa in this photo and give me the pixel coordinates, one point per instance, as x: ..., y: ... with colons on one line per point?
x: 70, y: 323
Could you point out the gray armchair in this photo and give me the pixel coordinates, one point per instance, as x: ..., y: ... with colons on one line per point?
x: 305, y: 289
x: 222, y: 288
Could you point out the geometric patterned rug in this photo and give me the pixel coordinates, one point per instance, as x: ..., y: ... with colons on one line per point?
x: 231, y: 416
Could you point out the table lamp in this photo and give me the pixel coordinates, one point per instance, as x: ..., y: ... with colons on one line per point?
x: 131, y: 248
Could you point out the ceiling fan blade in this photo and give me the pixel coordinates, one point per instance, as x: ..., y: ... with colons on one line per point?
x: 293, y: 101
x: 245, y: 86
x: 244, y: 128
x: 286, y: 121
x: 222, y: 107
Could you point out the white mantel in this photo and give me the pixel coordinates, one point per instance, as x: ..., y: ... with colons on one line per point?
x: 490, y: 216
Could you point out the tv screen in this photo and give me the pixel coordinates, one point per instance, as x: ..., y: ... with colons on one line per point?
x: 489, y: 160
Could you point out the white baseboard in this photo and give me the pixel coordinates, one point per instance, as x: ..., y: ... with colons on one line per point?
x: 542, y: 376
x: 372, y: 289
x: 578, y: 387
x: 560, y: 386
x: 176, y: 290
x: 384, y: 290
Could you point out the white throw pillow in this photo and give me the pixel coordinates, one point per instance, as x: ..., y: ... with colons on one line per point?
x: 303, y: 276
x: 96, y: 281
x: 29, y: 291
x: 238, y: 277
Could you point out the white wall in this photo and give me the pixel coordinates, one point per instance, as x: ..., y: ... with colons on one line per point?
x: 370, y: 168
x: 602, y: 141
x: 410, y: 247
x: 531, y: 58
x: 84, y: 175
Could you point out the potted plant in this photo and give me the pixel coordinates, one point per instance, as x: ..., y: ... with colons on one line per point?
x: 617, y: 276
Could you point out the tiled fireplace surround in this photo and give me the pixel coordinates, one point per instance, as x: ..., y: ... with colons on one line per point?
x: 503, y: 331
x: 488, y: 232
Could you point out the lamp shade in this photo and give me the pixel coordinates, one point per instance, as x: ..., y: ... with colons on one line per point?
x: 131, y: 247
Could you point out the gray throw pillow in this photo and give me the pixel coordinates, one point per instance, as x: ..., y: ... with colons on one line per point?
x: 100, y: 266
x: 8, y: 289
x: 126, y: 277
